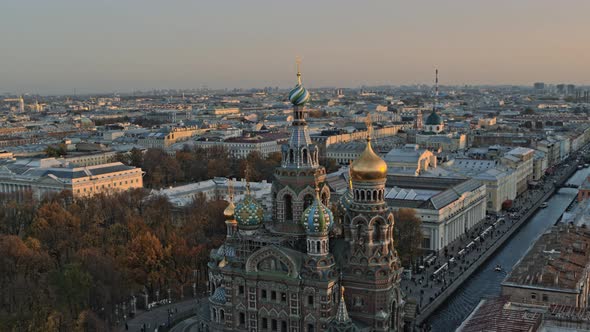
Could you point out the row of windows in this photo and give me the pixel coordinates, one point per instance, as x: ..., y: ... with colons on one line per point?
x: 368, y: 195
x: 544, y: 297
x: 275, y: 296
x: 109, y: 185
x: 272, y: 324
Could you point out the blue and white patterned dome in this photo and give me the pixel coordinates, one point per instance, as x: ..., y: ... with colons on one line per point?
x: 249, y: 213
x: 299, y: 95
x: 317, y: 218
x: 219, y: 295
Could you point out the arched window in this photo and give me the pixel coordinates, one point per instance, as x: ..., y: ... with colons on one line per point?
x: 288, y: 207
x: 318, y: 247
x: 291, y: 156
x: 307, y: 201
x: 393, y: 316
x: 376, y: 233
x: 362, y: 195
x: 305, y: 156
x: 375, y: 195
x: 221, y: 315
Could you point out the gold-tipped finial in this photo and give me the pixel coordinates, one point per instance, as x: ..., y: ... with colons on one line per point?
x: 350, y: 175
x: 369, y: 124
x: 317, y: 191
x: 247, y: 175
x: 231, y: 208
x: 298, y: 63
x: 230, y: 190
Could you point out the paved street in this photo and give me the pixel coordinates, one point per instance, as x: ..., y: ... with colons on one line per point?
x: 159, y: 316
x: 440, y: 271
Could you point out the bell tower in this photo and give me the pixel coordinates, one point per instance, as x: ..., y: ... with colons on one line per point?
x: 300, y: 171
x: 372, y: 272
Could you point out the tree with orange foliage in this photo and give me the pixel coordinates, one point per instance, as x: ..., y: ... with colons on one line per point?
x: 58, y: 230
x: 145, y: 261
x: 407, y: 235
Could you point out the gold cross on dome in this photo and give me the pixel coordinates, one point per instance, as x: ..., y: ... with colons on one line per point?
x: 230, y: 190
x: 369, y: 124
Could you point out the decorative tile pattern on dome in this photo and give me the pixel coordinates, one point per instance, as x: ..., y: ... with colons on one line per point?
x: 219, y: 295
x: 249, y: 212
x: 317, y: 218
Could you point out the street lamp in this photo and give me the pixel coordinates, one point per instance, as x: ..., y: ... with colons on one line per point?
x: 133, y: 304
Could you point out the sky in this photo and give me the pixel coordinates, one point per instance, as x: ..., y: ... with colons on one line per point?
x: 97, y: 46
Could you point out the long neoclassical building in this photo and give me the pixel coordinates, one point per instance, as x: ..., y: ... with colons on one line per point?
x: 303, y: 270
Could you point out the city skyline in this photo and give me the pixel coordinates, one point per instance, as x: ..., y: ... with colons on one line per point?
x: 105, y: 47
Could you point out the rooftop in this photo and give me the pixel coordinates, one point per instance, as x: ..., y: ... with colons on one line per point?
x: 556, y: 261
x: 499, y: 316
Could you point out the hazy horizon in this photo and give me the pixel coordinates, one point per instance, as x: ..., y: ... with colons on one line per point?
x: 54, y: 47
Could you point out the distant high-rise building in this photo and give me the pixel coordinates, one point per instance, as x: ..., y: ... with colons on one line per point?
x: 560, y: 88
x: 570, y: 89
x: 539, y: 86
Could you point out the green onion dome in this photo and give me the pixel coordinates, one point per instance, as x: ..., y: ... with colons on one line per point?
x: 299, y: 95
x: 434, y: 119
x: 317, y: 218
x: 249, y: 213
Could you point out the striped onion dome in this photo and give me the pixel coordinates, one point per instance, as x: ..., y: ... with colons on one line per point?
x: 299, y: 95
x: 317, y: 218
x: 249, y: 213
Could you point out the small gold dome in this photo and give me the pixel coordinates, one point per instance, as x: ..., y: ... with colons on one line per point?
x: 229, y: 211
x: 369, y: 166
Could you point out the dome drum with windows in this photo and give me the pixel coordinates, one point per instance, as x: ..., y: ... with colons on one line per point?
x: 317, y: 218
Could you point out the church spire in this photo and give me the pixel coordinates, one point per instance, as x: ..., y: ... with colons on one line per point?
x: 435, y: 102
x: 298, y: 62
x: 342, y: 313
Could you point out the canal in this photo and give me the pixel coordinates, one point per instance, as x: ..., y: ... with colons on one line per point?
x: 485, y: 282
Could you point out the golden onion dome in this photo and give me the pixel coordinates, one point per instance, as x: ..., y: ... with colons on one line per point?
x: 369, y: 166
x: 229, y: 211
